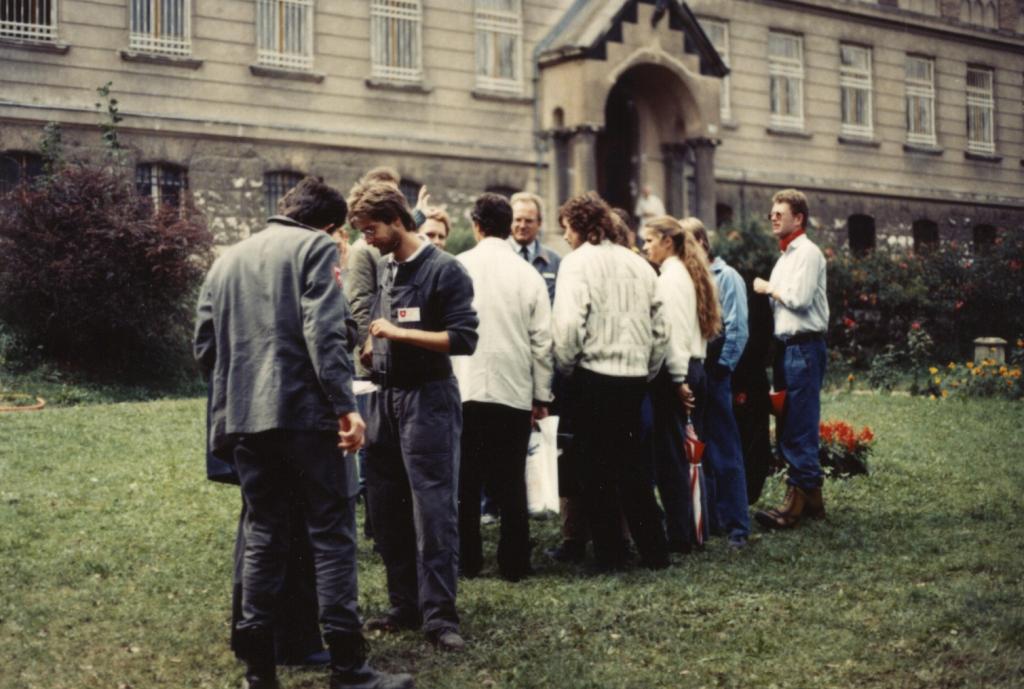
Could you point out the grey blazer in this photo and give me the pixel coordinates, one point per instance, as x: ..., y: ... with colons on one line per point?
x: 273, y: 334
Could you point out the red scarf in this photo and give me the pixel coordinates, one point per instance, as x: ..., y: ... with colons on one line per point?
x: 788, y: 239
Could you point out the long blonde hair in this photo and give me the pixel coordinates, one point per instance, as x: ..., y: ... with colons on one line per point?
x: 685, y: 246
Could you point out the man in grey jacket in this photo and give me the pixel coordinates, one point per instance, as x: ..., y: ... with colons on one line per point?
x: 273, y: 338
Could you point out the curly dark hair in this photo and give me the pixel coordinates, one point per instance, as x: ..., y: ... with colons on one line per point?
x: 590, y: 217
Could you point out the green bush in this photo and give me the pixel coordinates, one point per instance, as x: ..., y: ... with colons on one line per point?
x: 95, y: 278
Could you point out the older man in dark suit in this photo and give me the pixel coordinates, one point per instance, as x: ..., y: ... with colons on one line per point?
x: 273, y: 337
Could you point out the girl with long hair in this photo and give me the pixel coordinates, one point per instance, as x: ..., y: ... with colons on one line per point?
x: 692, y: 317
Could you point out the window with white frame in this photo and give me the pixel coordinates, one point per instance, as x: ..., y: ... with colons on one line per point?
x: 162, y: 183
x: 499, y: 45
x: 275, y: 185
x: 920, y: 90
x: 396, y: 40
x: 718, y: 33
x: 855, y: 90
x: 284, y: 33
x: 786, y: 74
x: 35, y: 20
x: 160, y: 26
x: 980, y: 111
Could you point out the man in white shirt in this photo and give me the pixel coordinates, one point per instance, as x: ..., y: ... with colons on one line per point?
x: 800, y: 306
x: 505, y: 385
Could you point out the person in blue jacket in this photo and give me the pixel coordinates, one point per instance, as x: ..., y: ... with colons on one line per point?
x: 726, y: 476
x: 422, y: 314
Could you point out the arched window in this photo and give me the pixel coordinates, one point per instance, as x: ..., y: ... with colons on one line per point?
x: 861, y: 231
x: 162, y: 183
x: 984, y: 236
x: 18, y: 166
x: 275, y: 185
x: 926, y: 234
x: 410, y: 190
x: 723, y: 215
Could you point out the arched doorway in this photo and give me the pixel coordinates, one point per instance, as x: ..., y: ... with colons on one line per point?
x: 617, y: 149
x: 650, y: 121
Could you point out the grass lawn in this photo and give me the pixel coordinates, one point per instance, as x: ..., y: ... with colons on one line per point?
x: 115, y: 571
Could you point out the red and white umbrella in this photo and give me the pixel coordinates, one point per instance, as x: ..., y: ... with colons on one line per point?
x: 694, y: 451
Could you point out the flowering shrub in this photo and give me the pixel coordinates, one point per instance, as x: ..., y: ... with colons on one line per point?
x: 949, y: 290
x: 843, y: 452
x: 987, y: 379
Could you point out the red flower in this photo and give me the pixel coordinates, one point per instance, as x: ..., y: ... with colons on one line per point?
x: 959, y: 305
x: 849, y: 323
x: 915, y: 326
x: 1015, y: 264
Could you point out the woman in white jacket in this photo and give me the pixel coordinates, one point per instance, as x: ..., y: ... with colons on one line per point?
x: 692, y: 314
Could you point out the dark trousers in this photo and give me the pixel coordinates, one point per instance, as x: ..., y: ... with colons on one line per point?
x: 672, y: 466
x: 276, y: 469
x: 495, y: 439
x: 412, y: 469
x: 296, y: 632
x: 725, y: 474
x: 803, y: 371
x: 606, y: 421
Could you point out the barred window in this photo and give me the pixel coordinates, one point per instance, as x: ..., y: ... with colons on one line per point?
x: 160, y: 26
x: 920, y: 90
x: 35, y: 20
x: 855, y: 90
x: 926, y: 234
x: 396, y: 40
x: 718, y: 34
x: 284, y: 33
x: 18, y: 166
x: 275, y: 185
x: 860, y: 233
x: 786, y: 73
x: 980, y: 111
x: 499, y: 45
x: 162, y: 183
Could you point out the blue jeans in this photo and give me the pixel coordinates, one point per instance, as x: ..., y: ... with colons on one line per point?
x: 803, y: 367
x: 725, y: 476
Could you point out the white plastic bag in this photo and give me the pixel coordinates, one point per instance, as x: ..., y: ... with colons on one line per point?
x: 542, y: 468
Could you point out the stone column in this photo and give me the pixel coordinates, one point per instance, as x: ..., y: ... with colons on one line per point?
x: 704, y: 157
x: 675, y: 178
x: 583, y: 154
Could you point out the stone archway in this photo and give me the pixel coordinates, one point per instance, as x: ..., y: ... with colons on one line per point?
x: 624, y: 102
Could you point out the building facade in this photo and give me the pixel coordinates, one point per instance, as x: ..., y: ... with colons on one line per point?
x: 903, y: 119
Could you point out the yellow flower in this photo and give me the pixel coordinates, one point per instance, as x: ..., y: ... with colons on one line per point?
x: 1009, y: 383
x: 938, y: 381
x: 970, y: 364
x: 931, y: 397
x: 945, y: 393
x: 932, y: 370
x: 951, y: 366
x: 849, y: 378
x: 1003, y: 370
x: 955, y: 384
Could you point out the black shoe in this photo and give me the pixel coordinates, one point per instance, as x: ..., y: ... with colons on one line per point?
x: 447, y: 640
x: 568, y: 551
x: 256, y: 649
x: 349, y: 669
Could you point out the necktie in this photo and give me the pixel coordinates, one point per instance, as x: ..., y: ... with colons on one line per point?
x: 525, y: 251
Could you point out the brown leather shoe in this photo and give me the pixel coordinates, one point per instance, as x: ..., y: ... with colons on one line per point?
x: 814, y: 507
x: 793, y: 508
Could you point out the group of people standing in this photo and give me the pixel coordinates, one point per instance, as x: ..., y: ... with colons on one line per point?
x: 465, y: 354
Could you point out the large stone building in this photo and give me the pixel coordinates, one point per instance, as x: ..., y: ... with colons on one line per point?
x: 902, y: 119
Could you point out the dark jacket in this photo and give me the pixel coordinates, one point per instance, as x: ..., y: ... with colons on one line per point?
x: 272, y: 335
x: 440, y: 288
